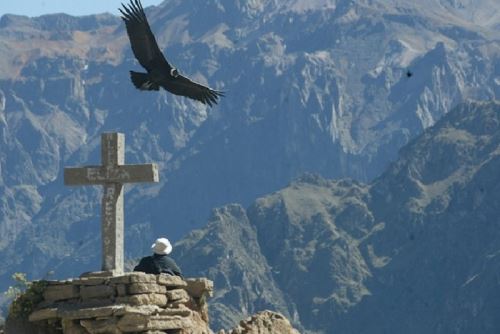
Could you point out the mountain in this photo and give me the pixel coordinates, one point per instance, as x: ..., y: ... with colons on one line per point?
x: 414, y: 251
x: 312, y: 86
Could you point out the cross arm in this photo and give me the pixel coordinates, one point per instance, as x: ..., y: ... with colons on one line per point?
x: 93, y: 175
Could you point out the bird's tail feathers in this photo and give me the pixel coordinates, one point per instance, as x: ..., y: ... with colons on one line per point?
x: 142, y: 81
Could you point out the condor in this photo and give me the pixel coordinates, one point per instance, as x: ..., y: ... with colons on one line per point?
x: 159, y: 72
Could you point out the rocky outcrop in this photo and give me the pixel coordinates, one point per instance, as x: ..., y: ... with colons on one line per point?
x: 265, y: 322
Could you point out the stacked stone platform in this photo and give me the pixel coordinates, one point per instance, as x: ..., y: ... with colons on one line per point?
x: 128, y: 303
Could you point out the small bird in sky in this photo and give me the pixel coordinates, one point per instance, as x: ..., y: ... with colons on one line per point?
x: 159, y: 72
x: 409, y: 73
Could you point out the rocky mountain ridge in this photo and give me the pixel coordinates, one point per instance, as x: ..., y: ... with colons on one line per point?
x: 414, y: 251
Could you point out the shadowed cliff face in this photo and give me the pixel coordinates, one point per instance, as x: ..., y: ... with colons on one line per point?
x: 316, y: 86
x: 442, y: 239
x: 414, y: 251
x: 228, y: 251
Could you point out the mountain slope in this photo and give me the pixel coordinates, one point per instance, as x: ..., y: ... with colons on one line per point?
x: 228, y: 251
x: 415, y: 251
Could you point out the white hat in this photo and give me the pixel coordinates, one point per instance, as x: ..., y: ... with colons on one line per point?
x: 162, y: 246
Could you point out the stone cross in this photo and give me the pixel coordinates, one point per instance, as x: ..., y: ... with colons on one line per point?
x: 113, y: 174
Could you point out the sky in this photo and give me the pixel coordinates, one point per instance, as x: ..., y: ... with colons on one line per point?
x: 72, y: 7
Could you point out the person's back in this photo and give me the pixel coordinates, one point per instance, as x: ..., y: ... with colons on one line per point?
x: 159, y: 262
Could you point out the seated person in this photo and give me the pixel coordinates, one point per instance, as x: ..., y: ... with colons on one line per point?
x: 159, y: 262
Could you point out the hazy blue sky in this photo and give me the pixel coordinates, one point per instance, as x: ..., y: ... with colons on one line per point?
x: 73, y: 7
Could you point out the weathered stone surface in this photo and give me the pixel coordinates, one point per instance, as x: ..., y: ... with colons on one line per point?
x: 88, y: 303
x: 171, y: 281
x: 90, y: 281
x: 105, y: 274
x: 97, y: 291
x: 174, y: 305
x: 133, y: 323
x: 196, y: 287
x: 101, y: 326
x: 182, y: 311
x: 60, y: 292
x: 121, y: 290
x: 138, y: 277
x: 43, y: 314
x: 162, y: 322
x: 178, y: 295
x: 265, y: 322
x: 73, y: 327
x: 122, y: 279
x: 74, y: 312
x: 142, y: 310
x: 144, y: 299
x: 138, y: 288
x: 62, y: 282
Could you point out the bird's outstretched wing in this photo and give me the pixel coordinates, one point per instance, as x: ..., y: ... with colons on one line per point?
x: 149, y: 55
x: 141, y: 37
x: 185, y: 87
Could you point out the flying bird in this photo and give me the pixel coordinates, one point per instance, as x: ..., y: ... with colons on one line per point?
x: 159, y: 72
x: 409, y: 73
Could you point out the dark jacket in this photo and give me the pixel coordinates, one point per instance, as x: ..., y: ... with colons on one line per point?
x: 157, y: 264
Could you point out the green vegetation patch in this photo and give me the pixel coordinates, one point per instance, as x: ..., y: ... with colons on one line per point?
x: 26, y: 295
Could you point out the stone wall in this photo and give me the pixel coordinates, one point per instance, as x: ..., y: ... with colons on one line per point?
x: 129, y: 303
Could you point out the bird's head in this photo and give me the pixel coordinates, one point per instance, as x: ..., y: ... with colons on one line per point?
x: 174, y: 72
